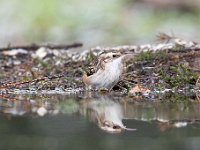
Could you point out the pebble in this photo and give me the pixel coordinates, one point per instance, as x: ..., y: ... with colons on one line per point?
x: 41, y: 52
x: 42, y: 111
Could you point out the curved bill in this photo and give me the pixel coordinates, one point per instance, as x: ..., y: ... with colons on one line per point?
x: 129, y: 129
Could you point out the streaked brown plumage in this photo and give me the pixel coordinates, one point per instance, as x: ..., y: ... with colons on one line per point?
x: 108, y: 72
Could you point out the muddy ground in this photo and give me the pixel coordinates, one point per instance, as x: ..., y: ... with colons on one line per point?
x: 172, y: 65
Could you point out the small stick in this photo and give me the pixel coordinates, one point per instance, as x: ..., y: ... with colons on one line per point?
x: 36, y: 46
x: 8, y: 98
x: 17, y: 83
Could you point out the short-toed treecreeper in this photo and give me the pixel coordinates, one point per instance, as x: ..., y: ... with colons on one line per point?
x: 106, y: 112
x: 110, y: 67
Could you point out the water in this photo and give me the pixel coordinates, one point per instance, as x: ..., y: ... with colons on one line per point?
x: 70, y: 122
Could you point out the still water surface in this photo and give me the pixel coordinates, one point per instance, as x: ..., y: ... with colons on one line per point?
x: 63, y: 122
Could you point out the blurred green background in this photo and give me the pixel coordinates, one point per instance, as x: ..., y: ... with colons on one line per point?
x: 96, y: 22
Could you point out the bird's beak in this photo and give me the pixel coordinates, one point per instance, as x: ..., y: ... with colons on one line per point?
x: 129, y: 129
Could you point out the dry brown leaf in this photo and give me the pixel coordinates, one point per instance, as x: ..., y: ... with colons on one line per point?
x: 139, y: 89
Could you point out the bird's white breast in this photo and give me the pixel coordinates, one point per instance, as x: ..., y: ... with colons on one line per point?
x: 110, y: 75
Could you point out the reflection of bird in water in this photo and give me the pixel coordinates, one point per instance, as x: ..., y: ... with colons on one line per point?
x: 107, y: 113
x: 108, y: 71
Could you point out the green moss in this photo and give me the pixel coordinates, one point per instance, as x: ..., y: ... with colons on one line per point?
x: 151, y: 56
x: 90, y: 58
x: 178, y: 75
x: 177, y: 97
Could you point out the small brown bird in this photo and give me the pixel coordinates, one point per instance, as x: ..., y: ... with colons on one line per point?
x: 109, y: 70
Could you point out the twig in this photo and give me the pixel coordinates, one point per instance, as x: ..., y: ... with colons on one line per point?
x: 36, y: 46
x: 18, y: 83
x: 184, y: 50
x: 8, y: 98
x: 163, y: 37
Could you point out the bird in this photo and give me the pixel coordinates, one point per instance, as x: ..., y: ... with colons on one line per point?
x: 106, y: 113
x: 109, y: 70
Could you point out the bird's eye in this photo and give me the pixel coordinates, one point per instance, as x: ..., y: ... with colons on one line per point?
x: 116, y: 127
x: 115, y: 56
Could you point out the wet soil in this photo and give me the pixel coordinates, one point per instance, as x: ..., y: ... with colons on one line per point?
x: 169, y: 66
